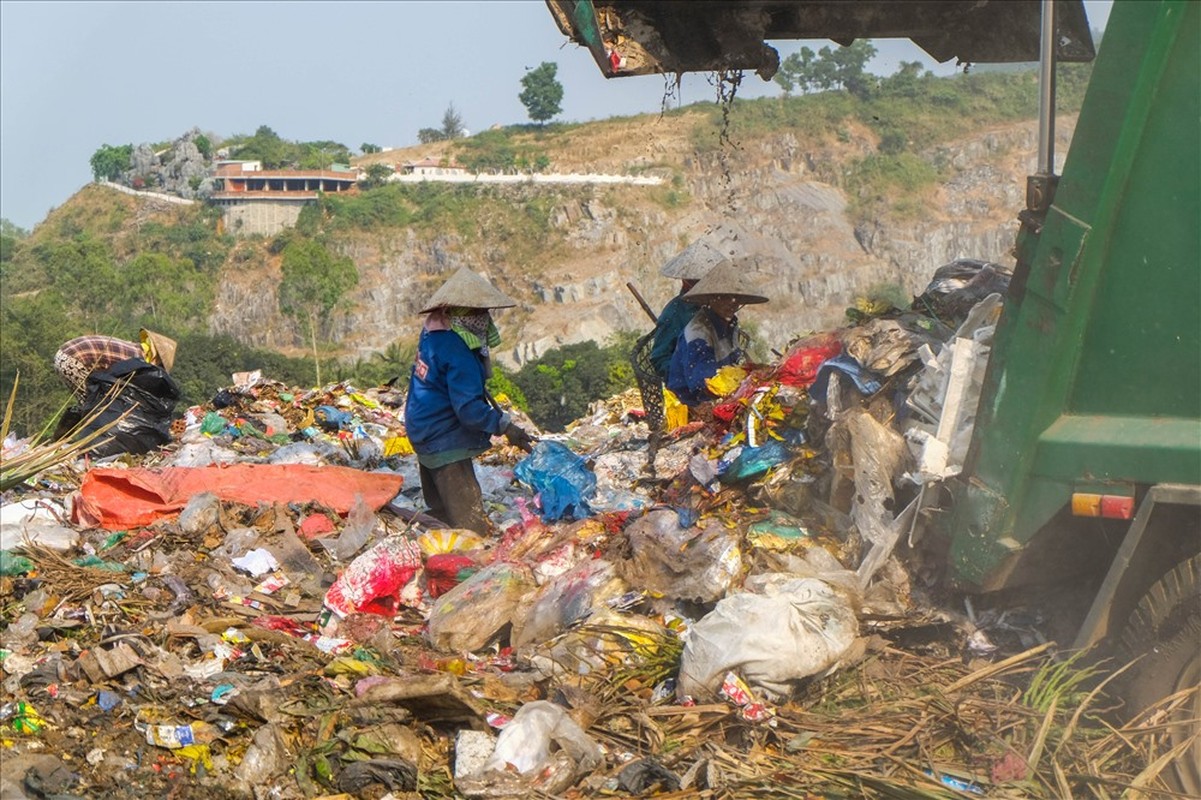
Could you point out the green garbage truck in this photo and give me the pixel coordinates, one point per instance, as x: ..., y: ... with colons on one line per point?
x: 1084, y: 471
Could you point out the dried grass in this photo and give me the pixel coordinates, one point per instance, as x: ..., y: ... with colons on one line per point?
x: 42, y: 454
x: 896, y: 737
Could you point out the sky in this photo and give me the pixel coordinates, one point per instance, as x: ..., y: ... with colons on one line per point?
x: 78, y: 75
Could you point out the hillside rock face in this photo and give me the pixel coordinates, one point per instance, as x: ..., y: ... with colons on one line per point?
x: 780, y: 187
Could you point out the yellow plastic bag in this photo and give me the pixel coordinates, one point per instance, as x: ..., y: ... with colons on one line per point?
x: 448, y: 540
x: 675, y: 413
x: 726, y: 380
x: 398, y: 446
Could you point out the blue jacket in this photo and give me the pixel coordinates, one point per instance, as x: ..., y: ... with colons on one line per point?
x: 675, y: 315
x: 447, y: 407
x: 707, y: 344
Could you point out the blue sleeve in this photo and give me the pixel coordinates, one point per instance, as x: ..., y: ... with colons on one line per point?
x: 465, y: 387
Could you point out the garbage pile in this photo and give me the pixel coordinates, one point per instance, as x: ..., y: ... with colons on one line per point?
x: 263, y: 610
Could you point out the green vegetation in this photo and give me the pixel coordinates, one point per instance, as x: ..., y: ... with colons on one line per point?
x: 275, y: 153
x: 498, y: 151
x: 843, y: 68
x: 377, y: 175
x: 559, y: 387
x: 314, y: 281
x: 541, y: 92
x: 108, y: 162
x: 366, y: 148
x: 10, y: 236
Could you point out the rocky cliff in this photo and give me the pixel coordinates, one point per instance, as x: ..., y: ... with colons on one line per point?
x: 570, y: 277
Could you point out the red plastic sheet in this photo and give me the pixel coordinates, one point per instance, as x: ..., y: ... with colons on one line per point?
x: 119, y: 499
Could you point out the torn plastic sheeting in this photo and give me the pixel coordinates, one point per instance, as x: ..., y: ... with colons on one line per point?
x: 119, y: 499
x: 800, y: 629
x: 679, y: 562
x: 801, y: 364
x: 567, y: 599
x: 35, y: 522
x: 468, y: 616
x: 373, y: 581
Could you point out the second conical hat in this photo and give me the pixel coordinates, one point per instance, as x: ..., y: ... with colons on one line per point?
x: 469, y: 290
x: 728, y: 240
x: 738, y: 278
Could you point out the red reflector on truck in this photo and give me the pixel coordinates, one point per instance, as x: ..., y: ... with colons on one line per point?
x: 1110, y: 506
x: 1117, y: 507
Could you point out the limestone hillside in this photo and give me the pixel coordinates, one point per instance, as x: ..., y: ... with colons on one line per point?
x: 847, y: 210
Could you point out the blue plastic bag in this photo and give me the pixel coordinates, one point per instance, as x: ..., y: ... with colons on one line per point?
x: 561, y: 479
x: 754, y: 461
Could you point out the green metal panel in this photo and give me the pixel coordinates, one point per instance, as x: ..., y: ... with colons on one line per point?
x: 1096, y: 370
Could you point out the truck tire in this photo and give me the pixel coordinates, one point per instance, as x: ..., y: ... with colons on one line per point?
x: 1165, y: 630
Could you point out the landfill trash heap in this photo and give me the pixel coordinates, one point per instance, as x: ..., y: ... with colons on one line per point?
x: 262, y: 609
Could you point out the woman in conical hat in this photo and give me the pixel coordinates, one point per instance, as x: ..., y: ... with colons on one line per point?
x: 449, y: 416
x: 710, y: 340
x: 83, y: 355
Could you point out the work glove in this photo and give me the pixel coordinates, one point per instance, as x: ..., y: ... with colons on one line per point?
x: 519, y: 437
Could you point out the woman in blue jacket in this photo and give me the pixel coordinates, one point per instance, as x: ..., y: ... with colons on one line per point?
x: 449, y: 416
x: 710, y: 340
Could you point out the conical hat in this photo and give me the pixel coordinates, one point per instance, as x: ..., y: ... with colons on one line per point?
x: 469, y: 290
x: 727, y: 240
x: 162, y: 348
x: 739, y: 279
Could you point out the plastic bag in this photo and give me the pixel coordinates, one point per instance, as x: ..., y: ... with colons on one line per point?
x: 879, y: 456
x: 143, y: 390
x: 526, y: 742
x: 606, y: 642
x: 373, y: 581
x: 798, y: 629
x: 754, y: 461
x: 445, y: 571
x: 959, y: 285
x: 682, y: 563
x: 800, y: 364
x: 470, y: 615
x: 560, y: 477
x: 449, y: 540
x: 542, y: 749
x: 567, y: 599
x: 360, y: 522
x: 201, y: 514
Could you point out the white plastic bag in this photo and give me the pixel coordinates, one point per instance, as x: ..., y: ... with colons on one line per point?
x: 797, y: 629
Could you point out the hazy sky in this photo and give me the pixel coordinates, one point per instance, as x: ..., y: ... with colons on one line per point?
x: 75, y: 76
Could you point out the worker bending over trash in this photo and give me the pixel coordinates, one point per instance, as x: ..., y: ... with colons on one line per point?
x: 78, y: 358
x: 449, y: 416
x: 711, y: 340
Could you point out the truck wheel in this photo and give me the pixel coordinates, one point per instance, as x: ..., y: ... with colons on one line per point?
x: 1165, y: 630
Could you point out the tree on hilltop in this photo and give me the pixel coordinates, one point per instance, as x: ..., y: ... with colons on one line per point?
x: 109, y: 162
x: 452, y: 128
x: 541, y: 93
x: 452, y: 124
x: 844, y: 67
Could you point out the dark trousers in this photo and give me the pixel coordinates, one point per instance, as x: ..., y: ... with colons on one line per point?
x: 453, y: 495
